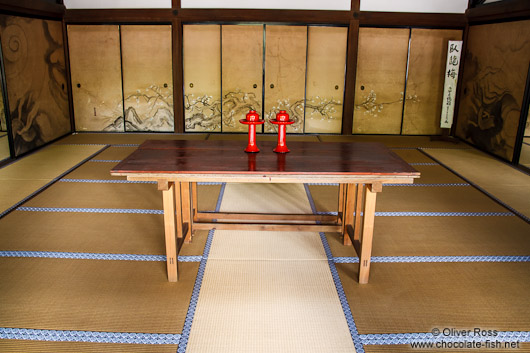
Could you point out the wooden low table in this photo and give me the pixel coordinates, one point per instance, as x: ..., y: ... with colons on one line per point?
x: 360, y: 169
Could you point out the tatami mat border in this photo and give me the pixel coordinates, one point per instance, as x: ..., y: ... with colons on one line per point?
x: 408, y: 338
x: 442, y: 214
x: 432, y: 214
x: 424, y: 259
x: 491, y: 196
x: 183, y: 342
x: 88, y: 336
x: 89, y: 210
x: 95, y: 256
x: 425, y: 163
x: 120, y: 181
x: 16, y: 205
x: 338, y: 284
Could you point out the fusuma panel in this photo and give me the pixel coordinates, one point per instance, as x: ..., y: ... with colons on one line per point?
x: 326, y: 69
x: 285, y: 63
x: 147, y: 77
x: 35, y: 73
x: 95, y: 67
x: 380, y: 83
x: 425, y: 83
x: 202, y: 77
x: 494, y: 80
x: 242, y: 72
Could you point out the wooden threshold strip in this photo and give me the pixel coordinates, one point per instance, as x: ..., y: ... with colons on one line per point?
x: 265, y: 216
x: 268, y: 227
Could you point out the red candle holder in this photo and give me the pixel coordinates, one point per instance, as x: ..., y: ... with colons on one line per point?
x: 282, y: 120
x: 252, y: 119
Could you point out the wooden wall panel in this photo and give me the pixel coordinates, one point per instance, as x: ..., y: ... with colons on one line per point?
x: 242, y: 74
x: 381, y: 69
x: 493, y: 85
x: 147, y: 77
x: 425, y: 83
x: 95, y: 66
x: 285, y: 63
x: 202, y: 77
x: 326, y: 64
x: 34, y: 64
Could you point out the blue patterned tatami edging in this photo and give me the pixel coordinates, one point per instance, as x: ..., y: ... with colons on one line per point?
x: 88, y: 336
x: 338, y: 285
x: 105, y: 160
x: 121, y: 181
x: 88, y: 210
x: 425, y: 259
x: 442, y: 214
x: 95, y: 256
x: 408, y: 338
x: 106, y: 181
x: 431, y: 214
x: 183, y: 342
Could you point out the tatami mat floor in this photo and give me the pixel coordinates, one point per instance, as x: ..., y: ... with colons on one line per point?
x: 82, y: 262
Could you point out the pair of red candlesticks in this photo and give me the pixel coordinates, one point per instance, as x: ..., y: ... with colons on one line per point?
x: 282, y: 120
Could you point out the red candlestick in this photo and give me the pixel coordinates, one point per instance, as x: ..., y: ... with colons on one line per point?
x: 252, y: 119
x: 282, y: 120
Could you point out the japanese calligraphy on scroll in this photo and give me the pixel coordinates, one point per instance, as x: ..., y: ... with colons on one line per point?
x: 454, y: 48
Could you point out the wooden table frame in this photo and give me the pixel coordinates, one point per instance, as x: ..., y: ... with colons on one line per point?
x: 354, y: 220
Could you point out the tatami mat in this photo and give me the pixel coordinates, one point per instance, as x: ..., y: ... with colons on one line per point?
x: 100, y: 195
x: 269, y: 306
x: 268, y: 291
x: 441, y: 199
x: 265, y: 198
x: 409, y: 297
x: 115, y: 153
x: 499, y: 179
x: 21, y: 179
x: 17, y: 346
x: 394, y: 140
x: 93, y: 295
x: 130, y: 138
x: 443, y: 236
x: 264, y: 245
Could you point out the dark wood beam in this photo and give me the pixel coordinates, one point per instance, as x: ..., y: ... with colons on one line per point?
x: 37, y: 8
x: 119, y: 15
x: 506, y: 10
x: 349, y: 86
x: 406, y: 19
x: 68, y: 77
x: 178, y: 76
x: 259, y: 15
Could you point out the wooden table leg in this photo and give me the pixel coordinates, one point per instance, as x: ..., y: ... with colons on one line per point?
x: 358, y: 211
x: 349, y: 206
x: 370, y: 193
x: 170, y: 227
x: 186, y: 210
x: 194, y: 201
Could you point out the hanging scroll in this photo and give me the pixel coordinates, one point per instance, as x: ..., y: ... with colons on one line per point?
x: 454, y: 49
